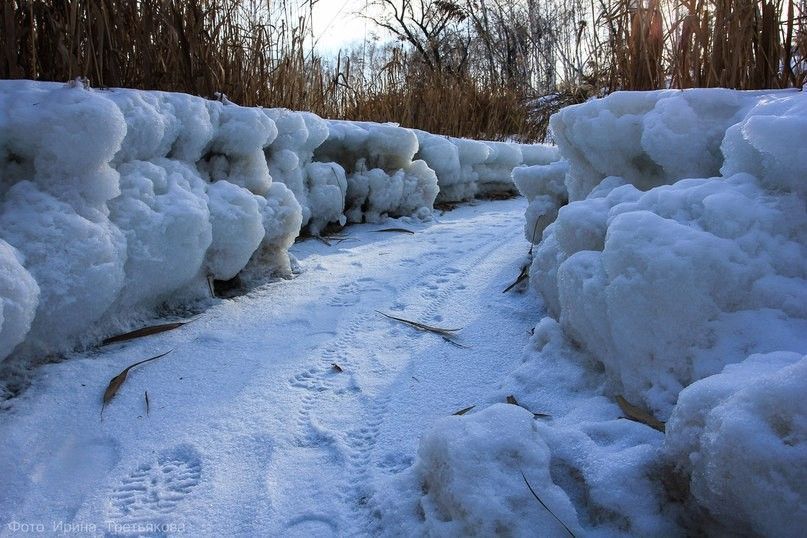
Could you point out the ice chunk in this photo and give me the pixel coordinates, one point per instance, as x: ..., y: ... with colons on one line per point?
x: 740, y: 439
x: 19, y: 296
x: 469, y: 478
x: 163, y: 213
x: 77, y: 263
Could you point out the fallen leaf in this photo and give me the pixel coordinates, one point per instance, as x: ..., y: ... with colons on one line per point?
x: 463, y: 411
x: 422, y: 326
x: 336, y: 367
x: 522, y: 276
x: 400, y: 230
x: 637, y: 414
x: 116, y: 382
x: 454, y: 342
x: 512, y: 401
x: 145, y: 331
x: 545, y: 506
x: 146, y: 394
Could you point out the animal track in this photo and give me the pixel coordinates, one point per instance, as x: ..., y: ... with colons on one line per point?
x: 154, y: 489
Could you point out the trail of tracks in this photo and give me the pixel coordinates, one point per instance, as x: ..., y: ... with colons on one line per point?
x: 280, y: 412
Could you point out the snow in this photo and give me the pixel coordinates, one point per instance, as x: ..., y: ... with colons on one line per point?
x: 383, y: 178
x: 250, y: 429
x: 675, y: 277
x: 20, y: 296
x: 752, y: 416
x: 468, y: 479
x: 667, y: 239
x: 648, y: 138
x: 147, y: 195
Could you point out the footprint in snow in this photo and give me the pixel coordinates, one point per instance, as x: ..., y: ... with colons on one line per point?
x: 151, y: 492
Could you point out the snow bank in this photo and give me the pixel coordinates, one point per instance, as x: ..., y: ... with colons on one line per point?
x: 113, y: 202
x: 667, y: 286
x: 468, y: 481
x: 320, y: 188
x: 466, y: 168
x: 683, y: 254
x: 383, y: 179
x: 740, y: 439
x: 647, y: 138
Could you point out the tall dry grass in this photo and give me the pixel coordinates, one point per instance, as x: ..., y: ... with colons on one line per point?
x: 489, y: 84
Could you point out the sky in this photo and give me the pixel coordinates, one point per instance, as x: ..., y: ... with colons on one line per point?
x: 338, y: 23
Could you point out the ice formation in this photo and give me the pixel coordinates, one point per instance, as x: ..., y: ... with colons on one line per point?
x: 468, y: 481
x: 113, y: 202
x: 383, y: 178
x: 679, y: 268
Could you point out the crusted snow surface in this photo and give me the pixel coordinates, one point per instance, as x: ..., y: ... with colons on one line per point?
x: 296, y: 409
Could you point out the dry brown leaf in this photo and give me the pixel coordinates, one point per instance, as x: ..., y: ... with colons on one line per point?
x: 522, y: 276
x: 512, y: 401
x: 116, y: 382
x: 400, y: 230
x: 454, y: 342
x: 336, y: 368
x: 637, y: 414
x: 148, y: 406
x: 463, y: 411
x: 145, y: 331
x: 422, y: 326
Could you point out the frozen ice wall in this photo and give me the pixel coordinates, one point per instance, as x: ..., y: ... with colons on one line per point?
x: 383, y: 178
x: 113, y: 202
x: 647, y: 138
x: 320, y: 188
x: 679, y: 266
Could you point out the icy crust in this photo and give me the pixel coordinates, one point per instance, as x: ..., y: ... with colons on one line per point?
x: 648, y: 138
x: 681, y: 285
x: 383, y: 178
x: 115, y: 201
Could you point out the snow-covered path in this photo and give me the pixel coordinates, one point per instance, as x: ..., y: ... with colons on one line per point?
x: 251, y: 428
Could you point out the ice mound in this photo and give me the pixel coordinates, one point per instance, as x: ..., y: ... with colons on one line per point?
x: 290, y: 159
x: 77, y: 262
x: 19, y: 297
x: 383, y: 179
x: 678, y: 273
x: 496, y: 172
x: 740, y: 439
x: 648, y: 138
x: 115, y: 201
x: 163, y: 212
x: 667, y: 286
x: 544, y: 188
x: 468, y: 481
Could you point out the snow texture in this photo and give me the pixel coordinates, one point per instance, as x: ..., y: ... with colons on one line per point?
x: 468, y: 479
x: 114, y: 202
x: 383, y: 178
x: 740, y: 438
x: 677, y: 274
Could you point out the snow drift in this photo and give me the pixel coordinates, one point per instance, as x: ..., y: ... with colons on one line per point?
x: 113, y: 202
x: 671, y: 256
x: 679, y: 266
